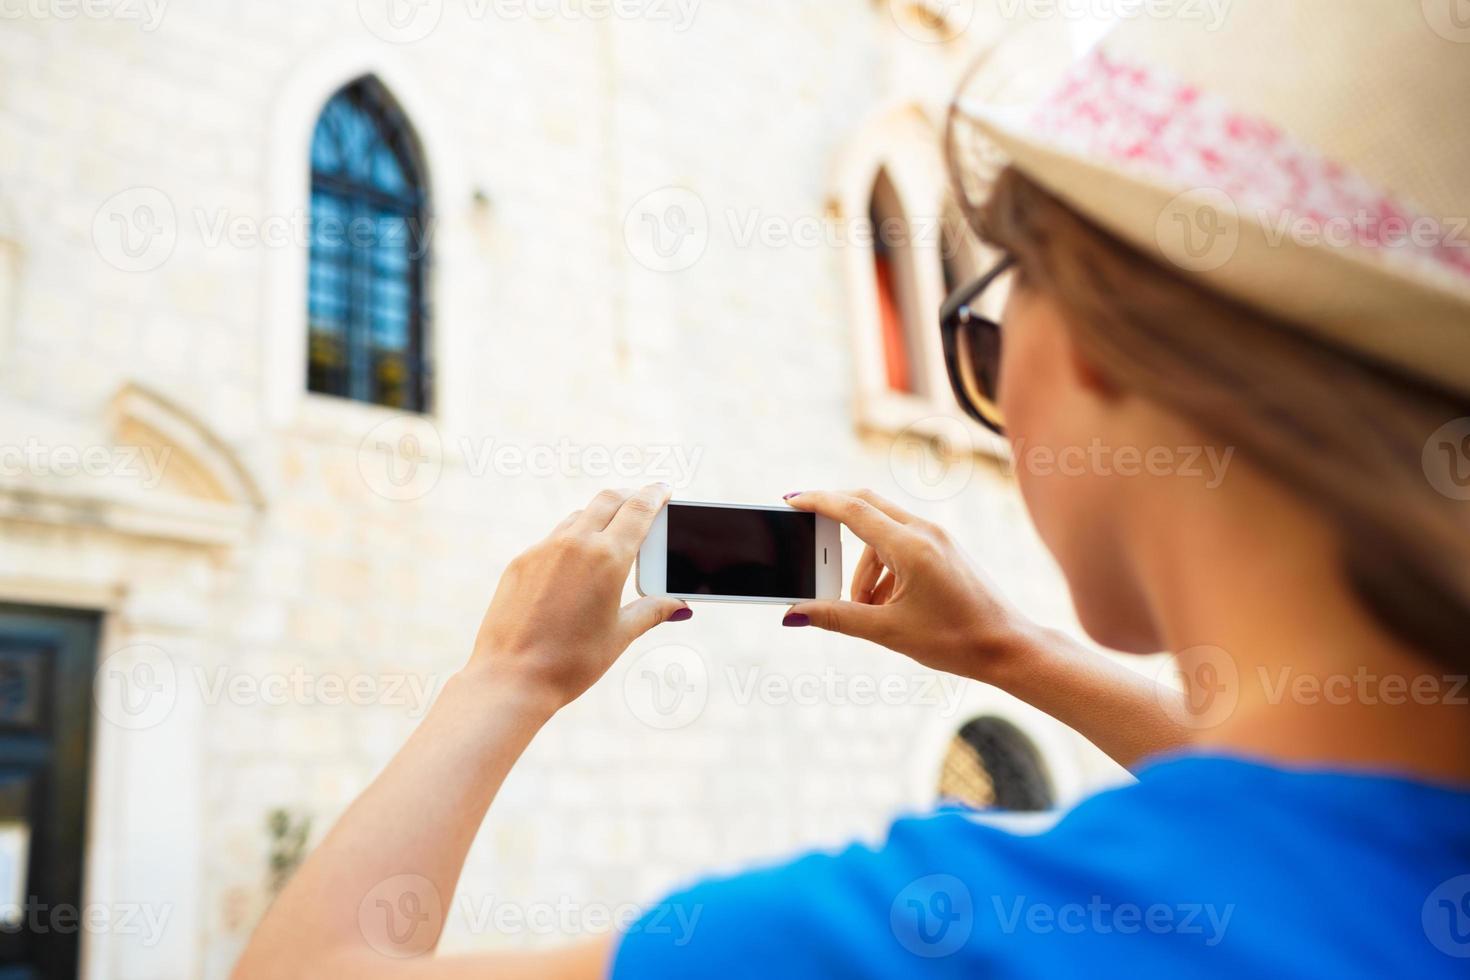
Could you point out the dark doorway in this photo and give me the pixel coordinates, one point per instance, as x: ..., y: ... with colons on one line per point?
x: 47, y: 657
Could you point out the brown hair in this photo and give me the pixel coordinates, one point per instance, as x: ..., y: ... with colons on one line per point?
x: 1346, y: 434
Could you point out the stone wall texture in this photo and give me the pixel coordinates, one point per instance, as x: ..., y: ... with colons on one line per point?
x: 291, y: 600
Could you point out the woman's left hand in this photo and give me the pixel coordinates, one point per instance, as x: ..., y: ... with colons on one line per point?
x: 556, y: 623
x: 553, y: 628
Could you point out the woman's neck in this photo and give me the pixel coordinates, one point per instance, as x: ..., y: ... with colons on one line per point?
x: 1280, y: 660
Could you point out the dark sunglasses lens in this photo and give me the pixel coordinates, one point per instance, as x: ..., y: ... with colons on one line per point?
x: 979, y: 366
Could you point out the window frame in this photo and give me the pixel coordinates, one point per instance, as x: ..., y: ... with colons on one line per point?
x: 903, y: 142
x: 288, y: 404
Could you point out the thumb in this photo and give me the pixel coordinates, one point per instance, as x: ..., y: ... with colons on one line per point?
x: 642, y: 615
x: 852, y: 618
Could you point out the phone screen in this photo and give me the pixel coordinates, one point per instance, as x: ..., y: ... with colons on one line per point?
x: 735, y: 551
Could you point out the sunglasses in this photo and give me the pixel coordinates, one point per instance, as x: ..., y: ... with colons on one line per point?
x: 972, y: 349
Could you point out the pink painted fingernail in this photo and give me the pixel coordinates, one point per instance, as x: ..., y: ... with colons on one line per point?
x: 796, y: 619
x: 681, y: 614
x: 798, y: 493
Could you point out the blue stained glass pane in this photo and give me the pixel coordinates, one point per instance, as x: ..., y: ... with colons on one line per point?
x: 326, y: 148
x: 387, y: 170
x: 394, y: 235
x: 390, y: 263
x: 388, y: 335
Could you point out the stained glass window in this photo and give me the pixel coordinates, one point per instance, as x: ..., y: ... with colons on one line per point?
x: 367, y: 310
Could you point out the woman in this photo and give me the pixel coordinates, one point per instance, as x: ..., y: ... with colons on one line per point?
x: 1310, y: 814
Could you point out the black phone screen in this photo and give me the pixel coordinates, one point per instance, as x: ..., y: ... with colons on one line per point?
x: 735, y: 551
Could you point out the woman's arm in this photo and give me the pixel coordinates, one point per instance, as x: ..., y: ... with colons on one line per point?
x: 374, y: 895
x: 915, y: 592
x: 1119, y: 710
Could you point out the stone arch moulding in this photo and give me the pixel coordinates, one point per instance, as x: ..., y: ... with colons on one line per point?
x: 166, y: 475
x: 209, y: 469
x: 318, y: 76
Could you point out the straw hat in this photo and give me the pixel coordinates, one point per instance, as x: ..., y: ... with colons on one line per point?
x: 1307, y: 157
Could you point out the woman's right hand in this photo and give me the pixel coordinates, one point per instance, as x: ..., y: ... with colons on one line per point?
x: 913, y: 591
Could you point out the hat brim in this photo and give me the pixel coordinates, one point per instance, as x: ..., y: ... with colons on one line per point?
x: 1350, y: 297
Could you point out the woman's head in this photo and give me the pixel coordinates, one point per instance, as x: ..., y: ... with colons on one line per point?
x: 1106, y: 350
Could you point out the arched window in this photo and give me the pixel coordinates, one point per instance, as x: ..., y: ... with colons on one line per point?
x: 366, y: 301
x: 991, y: 763
x: 898, y: 302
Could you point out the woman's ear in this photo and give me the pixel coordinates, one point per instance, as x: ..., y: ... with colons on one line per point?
x: 1086, y: 373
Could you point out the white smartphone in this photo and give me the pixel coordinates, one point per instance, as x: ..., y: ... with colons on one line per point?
x: 740, y: 553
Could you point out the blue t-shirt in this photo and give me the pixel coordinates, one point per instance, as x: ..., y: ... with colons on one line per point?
x: 1206, y: 867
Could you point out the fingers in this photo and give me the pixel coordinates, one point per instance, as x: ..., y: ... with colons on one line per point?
x: 642, y: 615
x: 629, y: 526
x: 865, y: 576
x: 883, y: 591
x: 566, y: 522
x: 852, y: 618
x: 600, y: 511
x: 885, y: 505
x: 867, y: 520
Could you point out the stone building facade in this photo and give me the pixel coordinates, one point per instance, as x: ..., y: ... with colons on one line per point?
x: 647, y: 262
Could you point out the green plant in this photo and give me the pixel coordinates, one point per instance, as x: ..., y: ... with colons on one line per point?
x: 288, y: 833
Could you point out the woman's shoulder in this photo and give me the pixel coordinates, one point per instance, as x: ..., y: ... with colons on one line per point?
x: 1175, y: 797
x: 1221, y: 860
x: 1251, y: 825
x: 1194, y: 790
